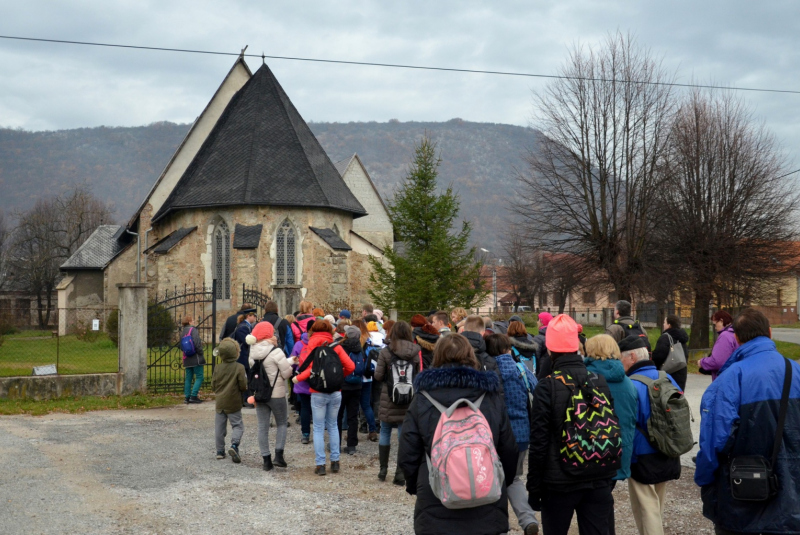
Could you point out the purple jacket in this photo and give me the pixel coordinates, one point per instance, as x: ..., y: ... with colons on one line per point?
x: 301, y: 387
x: 723, y: 348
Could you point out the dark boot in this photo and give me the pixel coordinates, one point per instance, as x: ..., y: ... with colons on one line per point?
x: 268, y: 462
x: 383, y: 457
x: 279, y: 459
x: 195, y: 399
x: 399, y: 478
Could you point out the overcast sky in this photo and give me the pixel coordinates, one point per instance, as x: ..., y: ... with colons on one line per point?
x: 48, y: 86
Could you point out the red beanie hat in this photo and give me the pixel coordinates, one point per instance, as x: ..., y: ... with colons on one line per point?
x: 561, y: 335
x: 262, y: 331
x: 545, y: 318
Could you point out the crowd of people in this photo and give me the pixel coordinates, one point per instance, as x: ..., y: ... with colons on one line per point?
x: 472, y: 399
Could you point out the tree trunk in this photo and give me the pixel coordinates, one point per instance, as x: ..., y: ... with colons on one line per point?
x: 698, y: 338
x: 49, y: 307
x: 39, y: 309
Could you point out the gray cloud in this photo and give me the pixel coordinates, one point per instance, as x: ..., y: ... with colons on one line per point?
x: 46, y: 86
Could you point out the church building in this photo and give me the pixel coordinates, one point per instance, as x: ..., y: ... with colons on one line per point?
x: 249, y: 198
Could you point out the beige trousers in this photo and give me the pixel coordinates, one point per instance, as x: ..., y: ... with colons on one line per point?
x: 647, y: 504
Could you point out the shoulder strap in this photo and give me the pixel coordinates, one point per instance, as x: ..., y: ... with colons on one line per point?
x: 476, y: 405
x: 671, y: 342
x: 643, y: 379
x: 787, y: 386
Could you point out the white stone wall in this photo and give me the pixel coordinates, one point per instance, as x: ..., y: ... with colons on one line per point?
x: 375, y: 227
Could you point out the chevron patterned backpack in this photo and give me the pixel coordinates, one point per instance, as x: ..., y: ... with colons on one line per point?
x: 591, y: 440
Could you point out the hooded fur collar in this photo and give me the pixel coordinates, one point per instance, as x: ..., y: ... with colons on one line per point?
x: 456, y: 377
x: 424, y: 344
x: 519, y: 344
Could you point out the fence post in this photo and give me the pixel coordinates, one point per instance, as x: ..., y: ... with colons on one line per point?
x: 133, y: 337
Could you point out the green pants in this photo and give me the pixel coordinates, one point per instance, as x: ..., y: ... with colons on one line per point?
x: 196, y: 373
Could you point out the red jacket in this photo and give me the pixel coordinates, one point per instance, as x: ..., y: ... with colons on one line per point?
x: 318, y: 339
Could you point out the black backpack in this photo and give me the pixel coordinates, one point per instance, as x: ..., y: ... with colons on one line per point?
x: 634, y: 329
x: 327, y: 372
x: 258, y: 382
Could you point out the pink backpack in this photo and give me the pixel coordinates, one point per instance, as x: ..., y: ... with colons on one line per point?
x: 463, y: 468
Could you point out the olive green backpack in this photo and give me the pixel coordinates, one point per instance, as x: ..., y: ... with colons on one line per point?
x: 669, y: 428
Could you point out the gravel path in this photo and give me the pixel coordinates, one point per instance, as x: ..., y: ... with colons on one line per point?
x: 153, y: 471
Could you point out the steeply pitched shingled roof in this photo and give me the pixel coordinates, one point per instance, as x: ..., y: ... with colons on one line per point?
x: 332, y: 239
x: 97, y: 251
x: 245, y: 237
x: 164, y: 245
x: 261, y: 152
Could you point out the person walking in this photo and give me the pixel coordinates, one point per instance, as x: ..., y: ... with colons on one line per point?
x: 457, y: 316
x: 245, y: 326
x: 228, y: 383
x: 324, y: 406
x: 233, y: 321
x: 393, y: 360
x: 283, y: 329
x: 351, y: 390
x: 264, y: 350
x: 602, y: 358
x: 518, y: 385
x: 723, y: 348
x: 425, y: 336
x: 193, y: 365
x: 302, y: 391
x: 455, y: 375
x: 751, y: 410
x: 544, y: 364
x: 672, y: 335
x: 304, y: 319
x: 522, y: 346
x: 650, y: 469
x: 553, y: 489
x: 474, y: 330
x: 624, y: 325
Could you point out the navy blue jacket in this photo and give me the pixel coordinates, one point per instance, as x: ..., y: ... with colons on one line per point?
x: 648, y: 465
x: 739, y: 416
x: 240, y: 335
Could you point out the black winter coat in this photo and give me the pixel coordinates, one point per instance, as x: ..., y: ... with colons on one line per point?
x: 281, y: 328
x: 551, y: 400
x: 229, y: 328
x: 447, y: 385
x: 488, y: 363
x: 661, y: 352
x: 426, y: 342
x: 352, y: 346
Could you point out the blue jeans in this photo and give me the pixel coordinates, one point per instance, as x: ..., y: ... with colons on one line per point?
x: 386, y: 433
x: 325, y: 409
x: 196, y: 373
x: 366, y: 405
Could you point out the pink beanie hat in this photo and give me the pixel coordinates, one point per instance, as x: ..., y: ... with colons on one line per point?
x: 562, y: 335
x: 545, y: 318
x: 262, y: 331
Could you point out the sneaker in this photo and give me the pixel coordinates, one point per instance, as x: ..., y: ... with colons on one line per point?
x: 320, y: 470
x: 335, y: 467
x: 532, y: 529
x: 304, y: 440
x: 220, y: 454
x: 195, y: 399
x: 233, y: 451
x: 186, y: 400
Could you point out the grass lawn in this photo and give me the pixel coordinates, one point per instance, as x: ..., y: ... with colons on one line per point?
x: 21, y: 352
x: 88, y: 403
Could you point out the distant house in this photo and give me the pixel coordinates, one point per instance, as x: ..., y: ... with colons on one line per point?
x: 249, y: 197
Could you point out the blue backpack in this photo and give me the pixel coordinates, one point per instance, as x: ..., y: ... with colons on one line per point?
x: 357, y: 377
x: 187, y: 344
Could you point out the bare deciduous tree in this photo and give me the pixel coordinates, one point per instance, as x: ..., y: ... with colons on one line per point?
x: 524, y: 271
x: 46, y: 236
x: 4, y: 247
x: 728, y: 210
x: 592, y: 182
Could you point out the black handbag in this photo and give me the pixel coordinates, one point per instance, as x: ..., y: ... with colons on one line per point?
x: 753, y: 477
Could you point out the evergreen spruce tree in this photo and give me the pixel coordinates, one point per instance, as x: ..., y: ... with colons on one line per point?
x: 434, y: 268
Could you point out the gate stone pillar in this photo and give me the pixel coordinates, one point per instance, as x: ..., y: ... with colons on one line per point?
x: 133, y: 337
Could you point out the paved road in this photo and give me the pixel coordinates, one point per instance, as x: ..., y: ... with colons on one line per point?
x: 153, y: 471
x: 696, y: 384
x: 786, y: 335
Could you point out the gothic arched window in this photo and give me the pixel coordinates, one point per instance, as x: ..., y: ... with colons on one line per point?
x: 285, y: 254
x: 221, y: 246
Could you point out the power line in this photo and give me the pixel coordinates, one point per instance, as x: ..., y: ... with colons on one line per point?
x: 398, y: 66
x: 789, y: 173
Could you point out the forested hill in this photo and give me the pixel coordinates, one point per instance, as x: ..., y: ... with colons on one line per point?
x: 122, y: 163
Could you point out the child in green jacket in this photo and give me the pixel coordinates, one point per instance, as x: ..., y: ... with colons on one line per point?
x: 229, y: 382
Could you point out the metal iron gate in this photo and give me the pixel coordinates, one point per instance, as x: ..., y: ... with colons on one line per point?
x: 255, y: 297
x: 165, y: 371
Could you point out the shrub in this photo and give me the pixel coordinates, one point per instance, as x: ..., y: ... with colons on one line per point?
x: 85, y: 333
x: 161, y: 328
x: 112, y: 326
